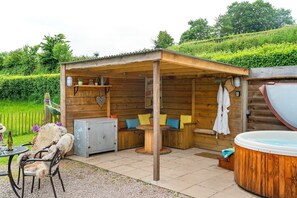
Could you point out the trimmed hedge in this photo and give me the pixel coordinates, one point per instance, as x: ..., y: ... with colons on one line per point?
x: 266, y: 56
x: 239, y: 42
x: 30, y: 87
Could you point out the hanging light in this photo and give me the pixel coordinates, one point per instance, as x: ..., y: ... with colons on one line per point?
x: 236, y: 81
x: 69, y: 81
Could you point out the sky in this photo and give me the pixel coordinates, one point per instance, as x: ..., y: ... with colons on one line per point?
x: 107, y: 26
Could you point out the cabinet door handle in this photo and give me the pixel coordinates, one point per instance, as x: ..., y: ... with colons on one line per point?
x: 89, y: 147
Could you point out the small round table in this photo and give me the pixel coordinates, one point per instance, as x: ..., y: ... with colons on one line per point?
x: 5, y: 153
x: 149, y: 140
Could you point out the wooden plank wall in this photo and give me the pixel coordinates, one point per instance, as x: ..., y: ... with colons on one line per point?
x: 127, y: 100
x: 260, y: 116
x: 83, y: 104
x: 206, y: 111
x: 176, y: 95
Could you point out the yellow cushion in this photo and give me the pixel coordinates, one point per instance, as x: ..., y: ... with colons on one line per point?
x: 163, y: 118
x: 185, y: 119
x: 144, y: 119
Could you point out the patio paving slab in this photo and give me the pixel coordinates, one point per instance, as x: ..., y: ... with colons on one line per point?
x: 181, y: 171
x: 199, y: 191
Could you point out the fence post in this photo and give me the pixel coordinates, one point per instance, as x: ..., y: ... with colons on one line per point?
x: 47, y: 114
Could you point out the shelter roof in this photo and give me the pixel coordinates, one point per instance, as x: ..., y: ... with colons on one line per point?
x: 140, y: 64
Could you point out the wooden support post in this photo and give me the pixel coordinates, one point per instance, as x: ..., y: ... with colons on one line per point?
x: 47, y: 114
x: 157, y: 131
x: 108, y: 104
x: 193, y: 100
x: 63, y: 95
x: 244, y: 103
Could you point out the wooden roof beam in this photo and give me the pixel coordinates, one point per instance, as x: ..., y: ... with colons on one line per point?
x: 116, y: 61
x: 209, y: 65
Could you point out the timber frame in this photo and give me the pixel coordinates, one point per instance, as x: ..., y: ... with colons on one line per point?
x: 150, y: 63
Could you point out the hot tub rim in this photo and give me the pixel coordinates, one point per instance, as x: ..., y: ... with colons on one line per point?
x: 240, y: 140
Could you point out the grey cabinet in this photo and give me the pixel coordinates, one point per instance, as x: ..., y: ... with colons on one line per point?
x: 95, y: 135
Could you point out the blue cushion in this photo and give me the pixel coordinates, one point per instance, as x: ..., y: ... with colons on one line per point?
x: 173, y: 123
x: 132, y: 123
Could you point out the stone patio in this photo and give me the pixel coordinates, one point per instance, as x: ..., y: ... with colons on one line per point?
x: 180, y: 171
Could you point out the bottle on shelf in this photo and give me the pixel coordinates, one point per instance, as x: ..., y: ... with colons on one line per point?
x: 9, y: 142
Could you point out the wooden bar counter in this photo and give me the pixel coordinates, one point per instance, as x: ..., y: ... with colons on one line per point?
x: 149, y: 139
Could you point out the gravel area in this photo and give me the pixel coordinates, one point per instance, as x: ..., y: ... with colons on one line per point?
x: 82, y: 180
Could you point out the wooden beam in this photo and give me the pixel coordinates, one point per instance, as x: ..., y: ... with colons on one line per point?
x: 203, y: 64
x: 108, y: 104
x: 63, y: 95
x: 193, y: 100
x: 244, y: 103
x: 116, y: 60
x: 273, y: 73
x: 157, y: 132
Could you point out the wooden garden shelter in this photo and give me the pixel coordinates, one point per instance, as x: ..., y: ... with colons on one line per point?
x: 189, y: 86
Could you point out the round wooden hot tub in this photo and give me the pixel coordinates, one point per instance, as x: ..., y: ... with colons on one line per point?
x: 266, y: 163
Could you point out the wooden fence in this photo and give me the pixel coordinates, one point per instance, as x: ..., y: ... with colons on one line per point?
x: 21, y: 122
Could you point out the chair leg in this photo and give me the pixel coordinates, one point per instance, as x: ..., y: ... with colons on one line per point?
x: 53, y: 186
x: 61, y: 180
x: 32, y: 184
x: 19, y: 174
x: 38, y: 184
x: 23, y: 184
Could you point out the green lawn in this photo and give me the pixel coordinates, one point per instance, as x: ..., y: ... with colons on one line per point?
x: 7, y: 106
x: 17, y: 140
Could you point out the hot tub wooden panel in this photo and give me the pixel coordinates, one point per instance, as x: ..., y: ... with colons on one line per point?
x: 265, y: 174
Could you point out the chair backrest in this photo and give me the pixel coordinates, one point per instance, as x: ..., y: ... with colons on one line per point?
x: 48, y: 134
x: 54, y: 165
x: 65, y: 143
x: 57, y: 151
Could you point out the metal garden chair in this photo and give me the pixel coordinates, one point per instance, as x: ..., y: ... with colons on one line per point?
x: 53, y: 169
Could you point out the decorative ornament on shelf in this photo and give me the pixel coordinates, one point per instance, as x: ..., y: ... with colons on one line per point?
x: 79, y: 81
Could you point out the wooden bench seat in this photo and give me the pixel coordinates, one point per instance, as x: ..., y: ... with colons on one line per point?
x: 179, y: 138
x: 130, y: 138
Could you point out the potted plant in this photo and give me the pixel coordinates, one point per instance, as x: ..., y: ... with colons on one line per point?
x: 151, y: 120
x: 80, y: 82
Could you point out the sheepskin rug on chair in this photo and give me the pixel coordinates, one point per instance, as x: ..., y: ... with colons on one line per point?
x: 48, y: 135
x: 41, y: 169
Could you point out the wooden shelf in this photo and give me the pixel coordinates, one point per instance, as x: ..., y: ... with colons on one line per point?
x: 93, y: 86
x: 106, y: 87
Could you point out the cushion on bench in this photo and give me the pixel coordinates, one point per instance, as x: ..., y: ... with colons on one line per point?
x: 185, y: 119
x: 173, y: 123
x: 144, y: 119
x: 132, y: 123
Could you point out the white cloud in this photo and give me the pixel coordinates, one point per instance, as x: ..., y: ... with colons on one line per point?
x: 108, y: 27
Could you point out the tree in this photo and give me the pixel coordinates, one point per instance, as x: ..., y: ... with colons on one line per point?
x: 199, y: 30
x: 21, y: 61
x: 96, y: 54
x: 163, y: 40
x: 2, y: 58
x: 223, y: 26
x: 30, y: 59
x: 247, y: 17
x: 54, y: 50
x: 13, y: 59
